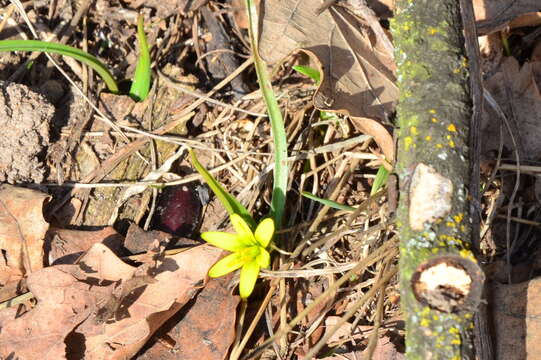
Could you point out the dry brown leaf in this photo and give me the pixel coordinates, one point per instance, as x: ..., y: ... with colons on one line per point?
x: 529, y: 19
x: 63, y: 302
x: 379, y: 132
x: 206, y: 330
x: 179, y: 278
x: 357, y: 72
x: 357, y: 68
x: 515, y: 90
x: 495, y: 15
x: 138, y: 240
x: 66, y: 246
x: 22, y: 228
x: 238, y: 8
x: 516, y: 313
x: 71, y: 298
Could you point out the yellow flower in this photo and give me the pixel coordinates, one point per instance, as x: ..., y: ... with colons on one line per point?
x: 249, y: 251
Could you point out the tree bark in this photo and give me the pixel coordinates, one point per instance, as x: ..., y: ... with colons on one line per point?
x: 440, y: 281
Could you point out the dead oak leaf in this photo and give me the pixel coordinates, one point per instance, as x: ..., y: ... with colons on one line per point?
x: 516, y: 312
x: 66, y: 320
x: 62, y: 302
x: 65, y: 246
x: 495, y: 15
x: 357, y: 71
x: 178, y: 279
x: 516, y: 93
x: 22, y: 228
x: 197, y: 334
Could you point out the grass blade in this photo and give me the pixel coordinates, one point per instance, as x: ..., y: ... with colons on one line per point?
x: 231, y: 204
x: 49, y: 47
x: 141, y: 80
x: 381, y: 178
x: 327, y: 202
x: 277, y: 124
x: 308, y: 71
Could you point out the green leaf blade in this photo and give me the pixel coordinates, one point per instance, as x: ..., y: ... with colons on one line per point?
x: 327, y: 202
x: 281, y: 169
x: 308, y: 71
x: 140, y: 86
x: 65, y: 50
x: 230, y: 203
x: 381, y: 178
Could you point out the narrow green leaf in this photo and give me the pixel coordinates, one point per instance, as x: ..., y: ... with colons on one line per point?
x: 43, y: 46
x: 277, y: 123
x: 381, y: 178
x: 308, y: 71
x: 327, y: 115
x: 140, y: 86
x: 230, y: 203
x: 327, y: 202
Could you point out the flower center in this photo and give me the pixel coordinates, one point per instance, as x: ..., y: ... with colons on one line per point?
x: 249, y: 254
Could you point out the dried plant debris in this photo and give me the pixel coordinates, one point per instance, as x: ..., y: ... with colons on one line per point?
x: 102, y: 307
x: 514, y: 109
x: 25, y: 118
x: 92, y: 303
x: 358, y: 71
x: 516, y: 318
x: 22, y: 230
x: 196, y: 333
x: 65, y: 246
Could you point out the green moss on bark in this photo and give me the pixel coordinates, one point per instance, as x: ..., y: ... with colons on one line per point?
x: 433, y: 118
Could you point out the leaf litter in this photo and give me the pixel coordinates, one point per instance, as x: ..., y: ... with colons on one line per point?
x: 102, y: 305
x: 103, y: 293
x: 357, y: 68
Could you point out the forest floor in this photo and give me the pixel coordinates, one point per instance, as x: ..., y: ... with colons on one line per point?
x: 102, y: 210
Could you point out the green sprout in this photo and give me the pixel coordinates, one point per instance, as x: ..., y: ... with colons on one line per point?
x: 141, y: 81
x: 308, y: 71
x: 55, y: 48
x: 249, y: 247
x: 380, y: 180
x: 140, y: 86
x: 249, y: 251
x: 327, y: 202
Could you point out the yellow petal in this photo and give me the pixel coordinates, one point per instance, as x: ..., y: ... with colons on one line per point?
x: 223, y: 240
x: 248, y: 277
x: 243, y: 229
x: 229, y: 263
x: 263, y: 259
x: 264, y: 232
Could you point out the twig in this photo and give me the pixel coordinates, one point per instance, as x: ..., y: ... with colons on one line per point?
x: 352, y: 310
x: 378, y: 254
